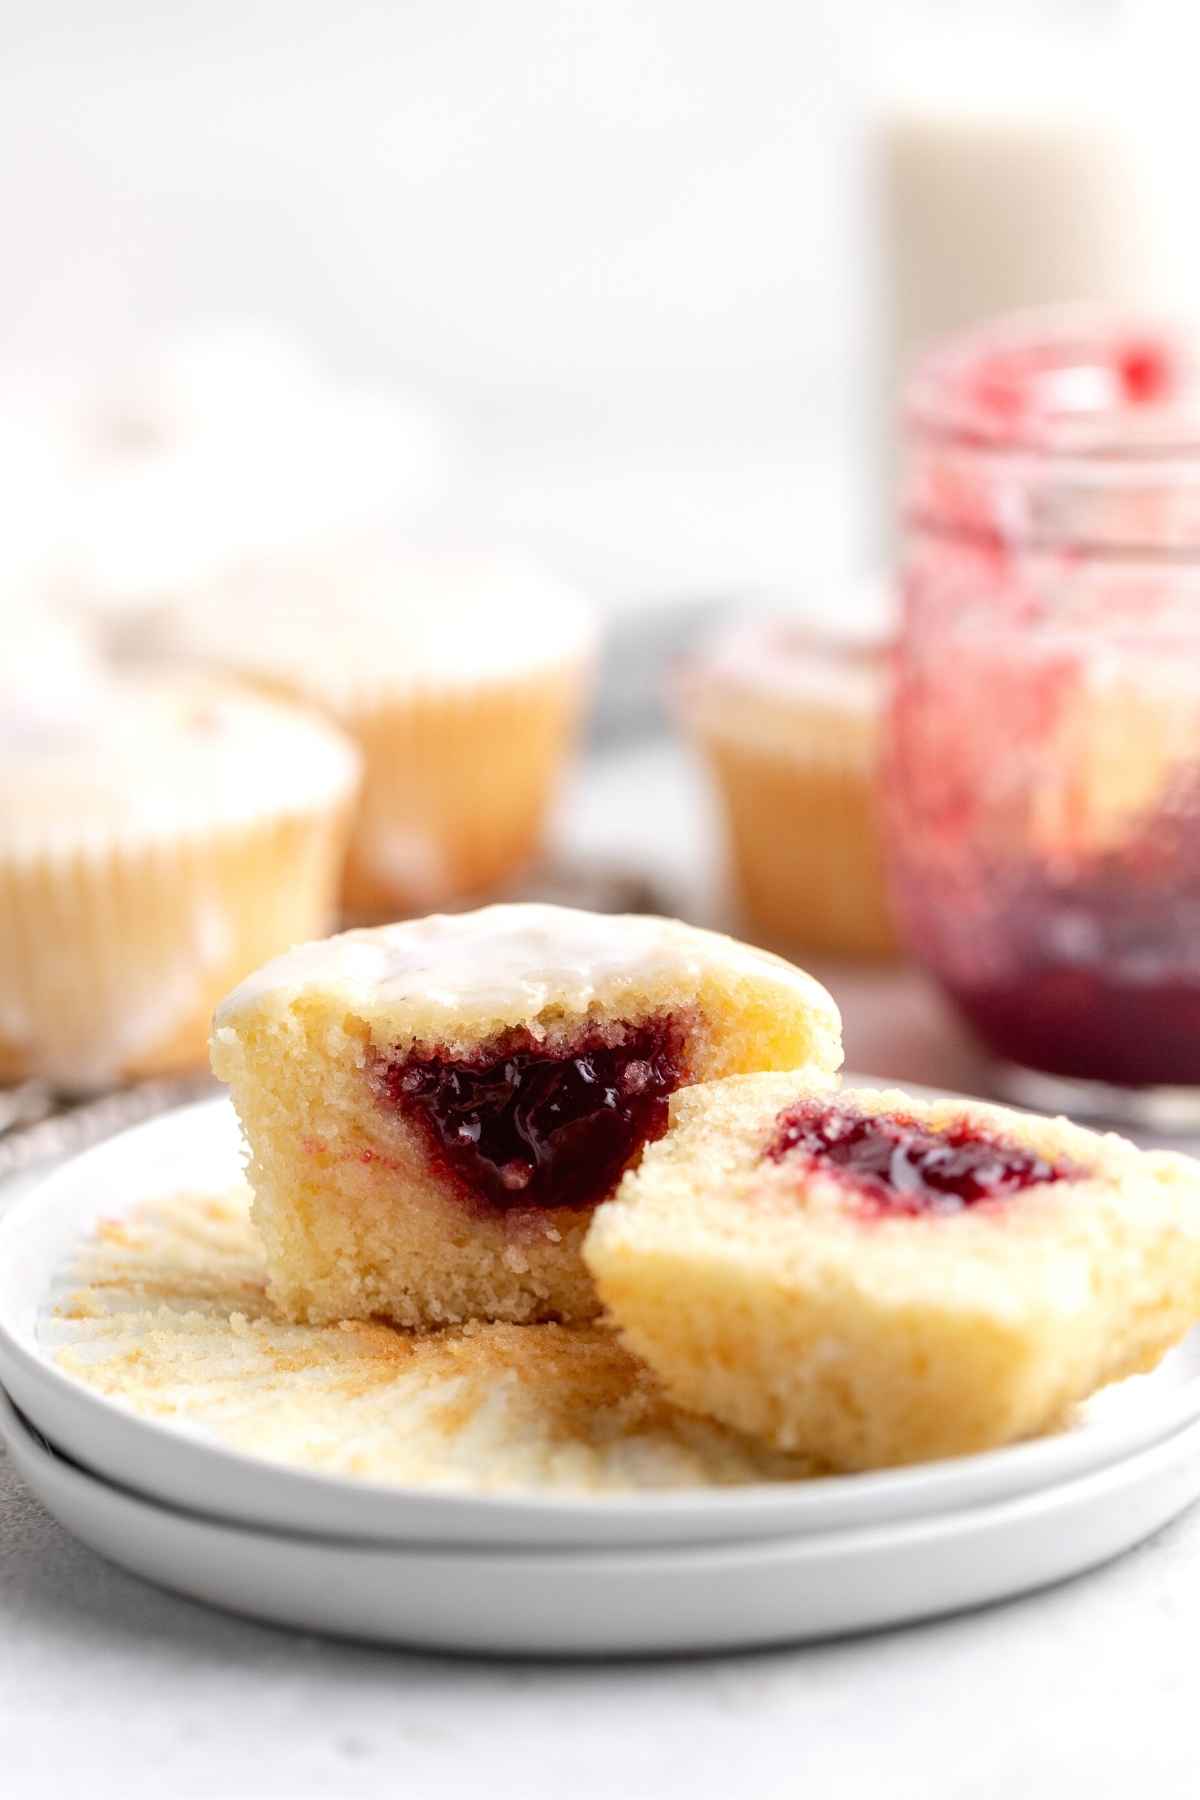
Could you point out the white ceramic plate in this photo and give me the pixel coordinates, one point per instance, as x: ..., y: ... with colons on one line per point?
x: 176, y: 1463
x: 611, y: 1602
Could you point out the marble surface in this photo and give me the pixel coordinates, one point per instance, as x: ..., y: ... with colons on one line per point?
x: 110, y: 1685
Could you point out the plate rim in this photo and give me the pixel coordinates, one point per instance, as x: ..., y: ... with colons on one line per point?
x: 635, y: 1600
x: 966, y: 1522
x: 79, y: 1417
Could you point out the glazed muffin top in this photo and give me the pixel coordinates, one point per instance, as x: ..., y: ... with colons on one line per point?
x: 526, y: 964
x: 365, y: 619
x: 150, y: 758
x: 757, y: 676
x: 787, y: 656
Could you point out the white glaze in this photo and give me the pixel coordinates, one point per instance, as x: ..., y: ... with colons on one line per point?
x: 836, y: 664
x: 363, y: 619
x: 505, y: 960
x: 157, y: 759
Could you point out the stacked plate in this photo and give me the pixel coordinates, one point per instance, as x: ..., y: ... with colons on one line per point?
x: 529, y: 1572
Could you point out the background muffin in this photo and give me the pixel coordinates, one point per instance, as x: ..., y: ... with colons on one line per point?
x: 157, y: 840
x: 787, y: 717
x: 461, y: 677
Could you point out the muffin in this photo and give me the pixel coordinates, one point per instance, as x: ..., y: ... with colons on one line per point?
x: 787, y: 718
x: 434, y: 1109
x: 877, y: 1280
x: 157, y: 840
x: 461, y: 677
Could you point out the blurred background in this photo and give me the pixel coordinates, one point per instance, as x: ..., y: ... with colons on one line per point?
x: 625, y: 260
x: 617, y: 253
x: 628, y: 288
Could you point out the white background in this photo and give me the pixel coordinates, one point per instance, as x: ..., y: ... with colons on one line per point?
x: 626, y: 245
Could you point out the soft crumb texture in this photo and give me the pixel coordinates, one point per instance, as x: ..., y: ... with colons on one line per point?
x: 356, y: 1222
x: 167, y: 1312
x: 762, y: 1294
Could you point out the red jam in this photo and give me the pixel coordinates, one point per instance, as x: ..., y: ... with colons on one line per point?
x: 518, y: 1128
x: 1090, y: 971
x: 898, y: 1165
x: 1003, y: 388
x: 1085, y: 1023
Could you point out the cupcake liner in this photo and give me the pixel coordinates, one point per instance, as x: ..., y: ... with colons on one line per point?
x: 804, y: 836
x: 458, y: 672
x: 113, y: 954
x: 457, y: 786
x: 787, y: 715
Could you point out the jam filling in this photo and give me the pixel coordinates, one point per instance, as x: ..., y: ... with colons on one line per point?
x: 1088, y: 1024
x: 520, y: 1127
x: 1076, y: 957
x: 898, y: 1165
x: 1095, y: 974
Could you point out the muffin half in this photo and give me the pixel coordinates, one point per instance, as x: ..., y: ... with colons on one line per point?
x: 434, y: 1109
x: 875, y: 1279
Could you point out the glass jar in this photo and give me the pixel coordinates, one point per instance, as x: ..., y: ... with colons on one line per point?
x: 1042, y: 751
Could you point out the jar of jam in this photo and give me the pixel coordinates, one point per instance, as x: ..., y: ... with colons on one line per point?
x: 1042, y: 751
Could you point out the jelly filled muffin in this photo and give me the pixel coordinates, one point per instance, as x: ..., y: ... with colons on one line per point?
x: 434, y: 1109
x: 157, y: 840
x: 880, y: 1280
x: 787, y: 716
x: 460, y: 676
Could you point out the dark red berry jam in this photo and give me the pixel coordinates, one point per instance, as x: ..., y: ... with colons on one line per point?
x: 517, y: 1127
x: 1089, y: 1025
x: 897, y: 1164
x: 1095, y: 974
